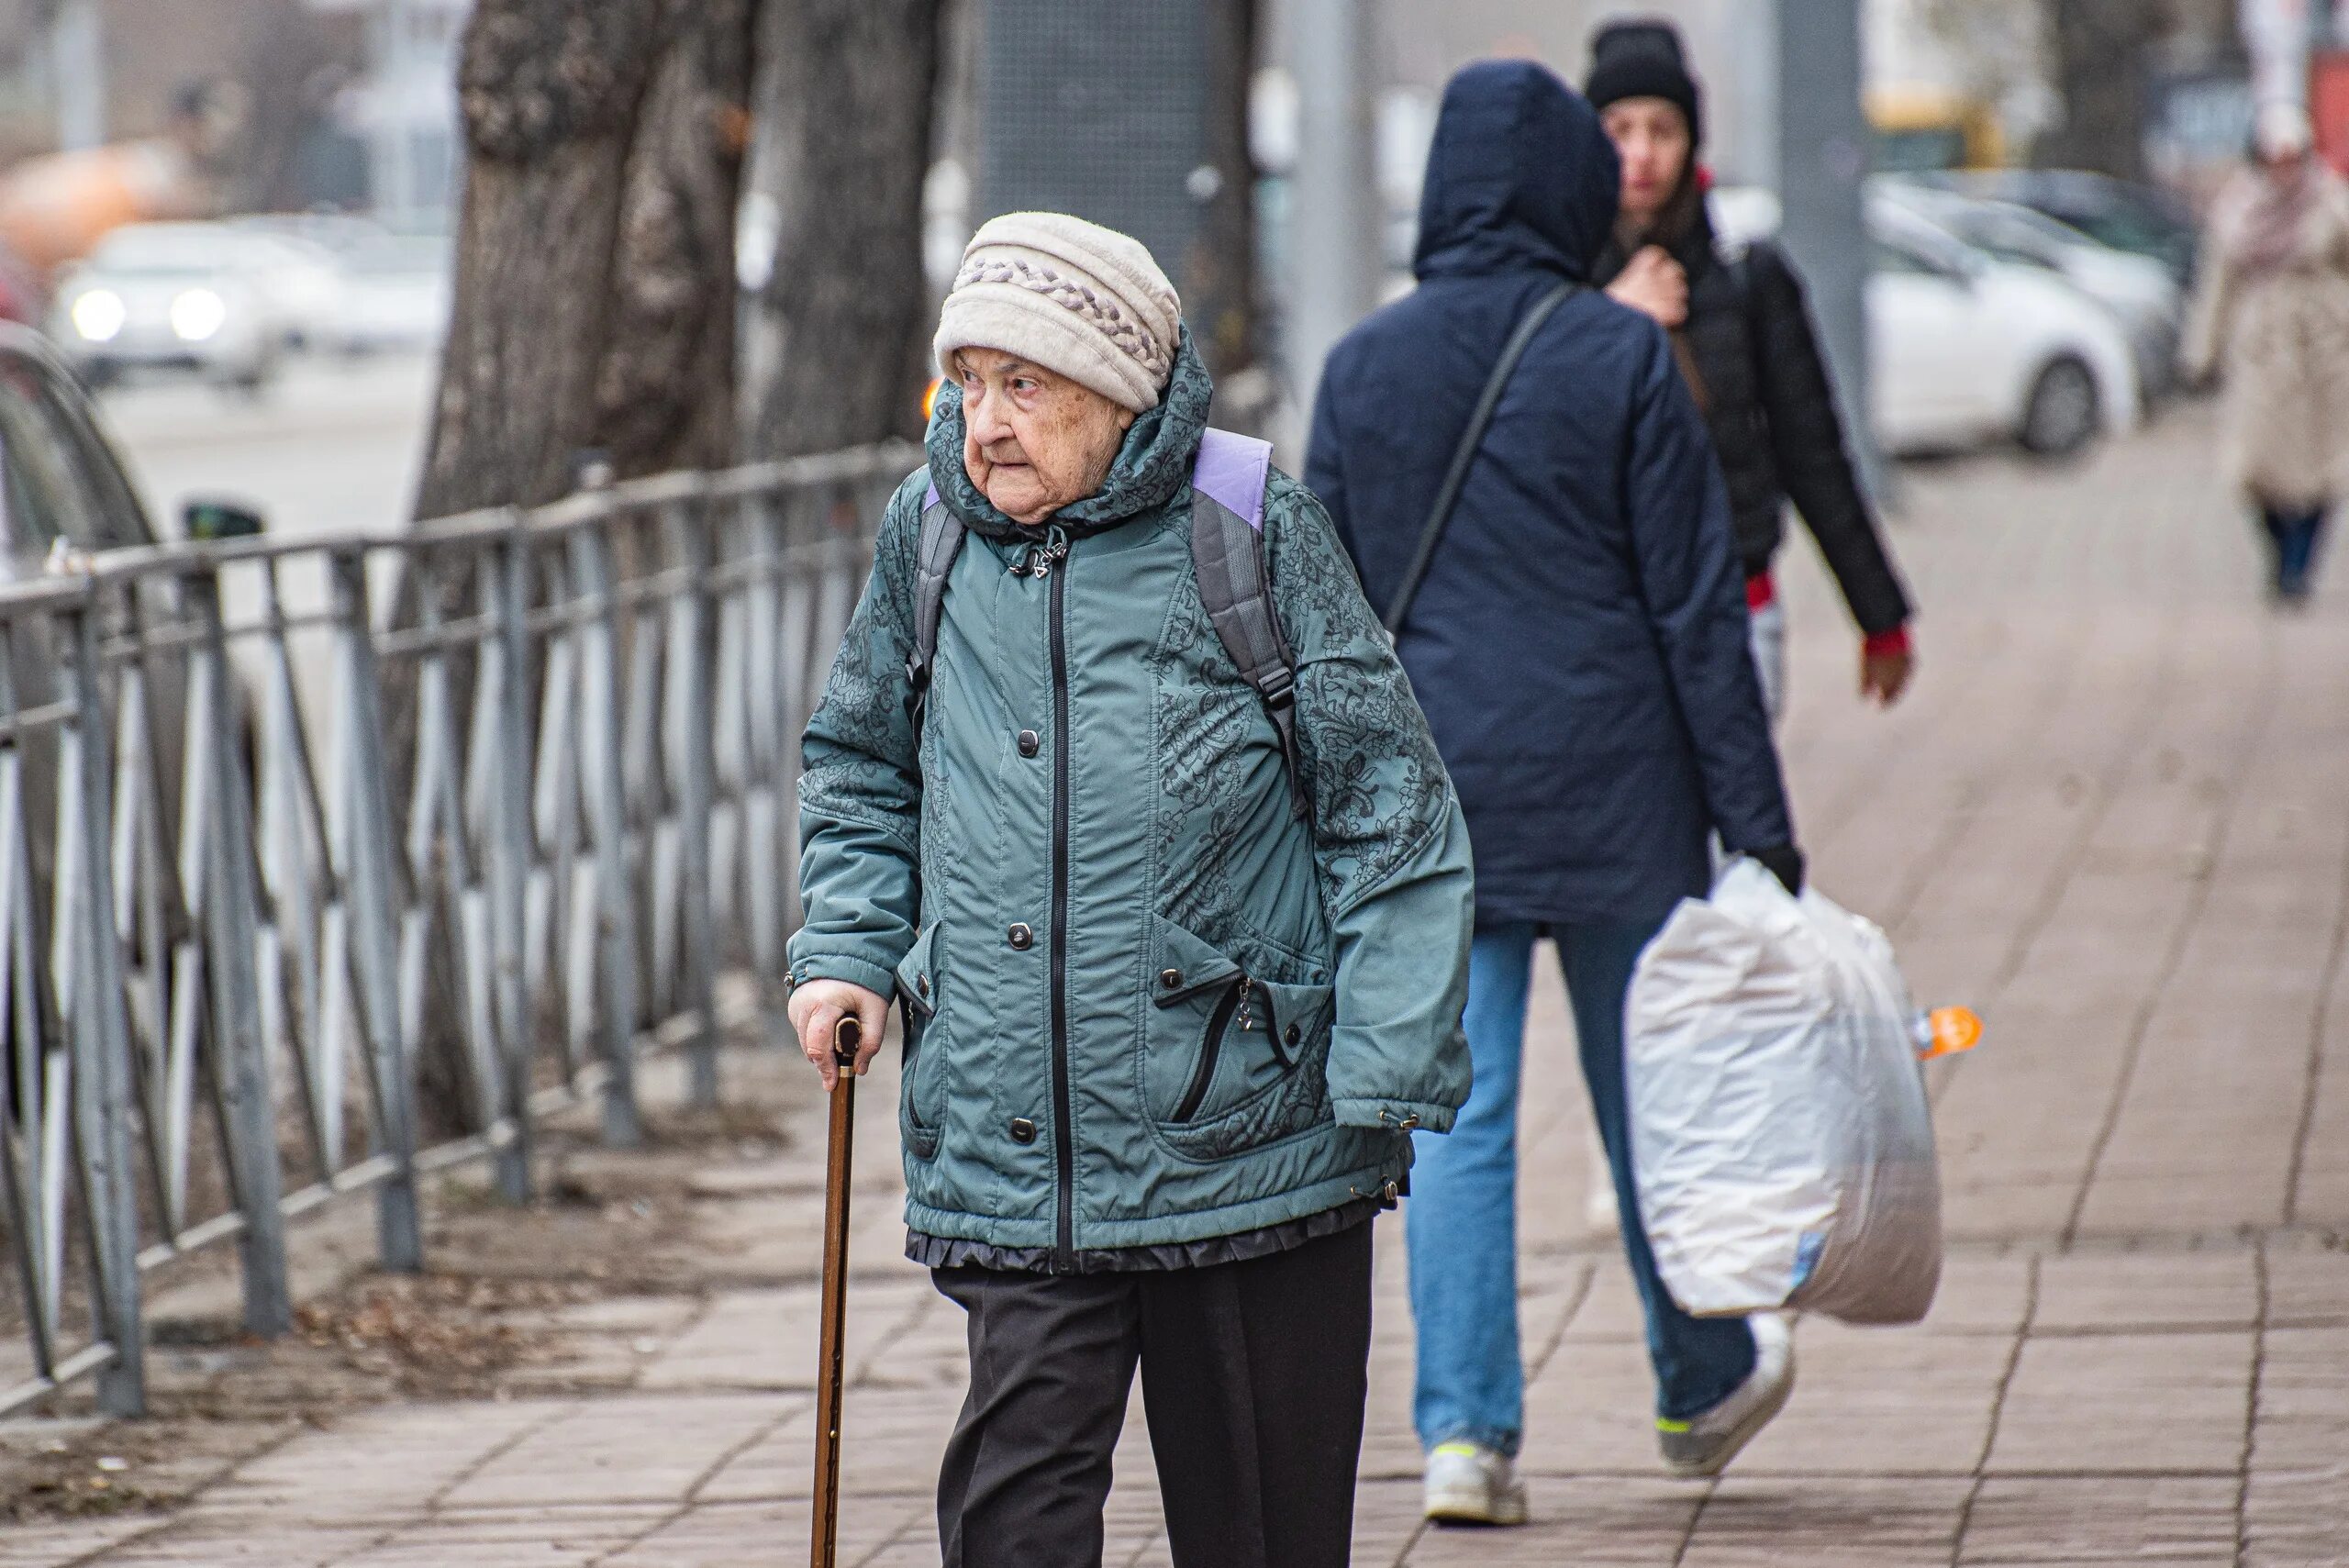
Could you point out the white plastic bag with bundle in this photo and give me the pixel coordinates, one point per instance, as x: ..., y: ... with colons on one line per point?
x: 1780, y: 1135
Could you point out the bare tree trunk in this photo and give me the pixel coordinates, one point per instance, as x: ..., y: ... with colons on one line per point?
x: 595, y: 274
x: 844, y: 320
x: 2101, y: 57
x: 1219, y: 276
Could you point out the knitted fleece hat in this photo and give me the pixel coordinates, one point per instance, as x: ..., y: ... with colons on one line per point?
x: 1074, y: 298
x: 1644, y: 60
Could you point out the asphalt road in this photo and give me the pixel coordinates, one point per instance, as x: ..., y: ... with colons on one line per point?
x: 334, y: 443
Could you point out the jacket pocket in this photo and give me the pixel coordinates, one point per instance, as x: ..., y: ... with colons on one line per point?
x: 1220, y: 1038
x: 921, y: 1104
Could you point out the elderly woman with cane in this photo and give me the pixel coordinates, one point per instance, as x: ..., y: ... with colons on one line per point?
x: 1118, y: 792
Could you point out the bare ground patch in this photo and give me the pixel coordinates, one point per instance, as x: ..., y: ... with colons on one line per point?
x: 563, y: 1295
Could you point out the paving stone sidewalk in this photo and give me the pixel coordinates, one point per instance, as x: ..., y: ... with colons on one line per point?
x: 2114, y: 816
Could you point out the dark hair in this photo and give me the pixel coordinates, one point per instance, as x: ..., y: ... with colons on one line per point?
x: 1644, y: 59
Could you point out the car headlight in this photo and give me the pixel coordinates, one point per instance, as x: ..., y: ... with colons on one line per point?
x: 99, y: 315
x: 198, y: 314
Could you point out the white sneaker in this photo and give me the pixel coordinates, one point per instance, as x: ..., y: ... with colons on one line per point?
x: 1704, y: 1444
x: 1598, y: 1207
x: 1471, y: 1484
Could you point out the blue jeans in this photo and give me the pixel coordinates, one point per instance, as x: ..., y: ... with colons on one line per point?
x: 1462, y: 1220
x: 2296, y: 533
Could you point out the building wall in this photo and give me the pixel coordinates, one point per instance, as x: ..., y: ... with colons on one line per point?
x: 155, y: 47
x: 1426, y: 43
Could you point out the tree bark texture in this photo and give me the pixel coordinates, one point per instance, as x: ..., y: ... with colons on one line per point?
x: 595, y: 281
x: 2100, y: 60
x: 845, y: 319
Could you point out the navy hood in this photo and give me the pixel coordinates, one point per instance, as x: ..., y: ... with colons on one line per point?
x: 1521, y: 175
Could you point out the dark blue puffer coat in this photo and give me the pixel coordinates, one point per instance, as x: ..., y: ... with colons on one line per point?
x: 1580, y: 641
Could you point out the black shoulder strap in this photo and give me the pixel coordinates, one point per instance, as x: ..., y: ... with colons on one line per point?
x: 1235, y: 583
x: 1455, y: 477
x: 942, y: 542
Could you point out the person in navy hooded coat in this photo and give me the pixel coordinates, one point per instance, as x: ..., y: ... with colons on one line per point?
x: 1579, y: 642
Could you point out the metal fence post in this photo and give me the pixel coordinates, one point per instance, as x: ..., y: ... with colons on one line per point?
x: 599, y: 743
x: 99, y: 1037
x: 511, y: 836
x: 371, y: 883
x: 695, y: 731
x: 232, y: 933
x: 767, y: 797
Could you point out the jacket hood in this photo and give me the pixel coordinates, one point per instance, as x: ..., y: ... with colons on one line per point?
x: 1149, y: 470
x: 1521, y: 175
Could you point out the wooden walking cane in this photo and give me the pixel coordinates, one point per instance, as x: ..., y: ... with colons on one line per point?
x: 847, y: 1036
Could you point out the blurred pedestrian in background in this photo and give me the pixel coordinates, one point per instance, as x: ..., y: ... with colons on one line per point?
x: 1182, y: 956
x: 1578, y: 640
x: 1743, y: 339
x: 2271, y: 318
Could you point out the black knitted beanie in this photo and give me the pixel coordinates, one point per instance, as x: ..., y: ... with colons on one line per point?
x: 1644, y: 60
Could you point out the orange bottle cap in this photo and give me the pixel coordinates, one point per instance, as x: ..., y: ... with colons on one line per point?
x: 1954, y: 1029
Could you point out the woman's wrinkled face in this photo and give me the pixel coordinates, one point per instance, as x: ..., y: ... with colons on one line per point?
x: 1652, y: 137
x: 1034, y: 441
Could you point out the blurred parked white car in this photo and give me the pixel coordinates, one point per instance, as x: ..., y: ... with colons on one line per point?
x: 190, y: 296
x: 2140, y: 292
x: 1965, y: 349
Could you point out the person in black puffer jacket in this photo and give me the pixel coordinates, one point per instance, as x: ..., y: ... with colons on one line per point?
x: 1743, y: 339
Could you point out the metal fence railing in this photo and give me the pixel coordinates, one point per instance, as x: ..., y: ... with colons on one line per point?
x: 299, y: 896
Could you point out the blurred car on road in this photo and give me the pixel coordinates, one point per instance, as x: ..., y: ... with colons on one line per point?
x: 61, y: 481
x: 2139, y: 219
x: 202, y: 297
x: 64, y: 490
x: 2140, y: 292
x: 398, y: 290
x: 300, y: 276
x: 393, y: 288
x: 1965, y: 349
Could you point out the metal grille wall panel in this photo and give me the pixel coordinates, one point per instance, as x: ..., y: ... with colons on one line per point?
x: 1095, y: 108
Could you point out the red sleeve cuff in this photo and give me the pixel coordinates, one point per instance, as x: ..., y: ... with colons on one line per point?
x: 1884, y: 643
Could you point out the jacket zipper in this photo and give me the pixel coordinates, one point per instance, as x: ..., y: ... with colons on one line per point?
x: 1203, y: 1077
x: 1064, y: 1138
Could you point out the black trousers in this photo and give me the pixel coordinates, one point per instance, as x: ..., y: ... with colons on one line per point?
x: 1253, y: 1375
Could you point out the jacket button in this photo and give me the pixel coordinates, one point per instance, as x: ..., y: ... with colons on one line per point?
x: 1170, y: 978
x: 1030, y: 743
x: 1021, y: 938
x: 1293, y: 1034
x: 921, y: 984
x: 1022, y: 1130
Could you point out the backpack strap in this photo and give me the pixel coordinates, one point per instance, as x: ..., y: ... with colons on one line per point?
x: 1235, y: 582
x: 942, y: 542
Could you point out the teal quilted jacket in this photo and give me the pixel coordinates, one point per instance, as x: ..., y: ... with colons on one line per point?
x: 1148, y: 1003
